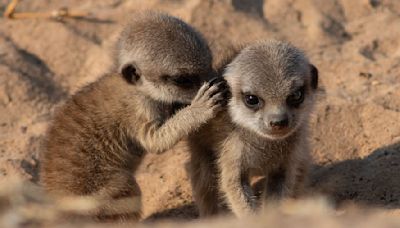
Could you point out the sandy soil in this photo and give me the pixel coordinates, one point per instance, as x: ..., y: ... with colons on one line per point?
x: 355, y: 130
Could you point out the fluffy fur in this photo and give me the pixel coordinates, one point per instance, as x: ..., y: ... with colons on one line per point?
x: 268, y: 138
x: 100, y: 135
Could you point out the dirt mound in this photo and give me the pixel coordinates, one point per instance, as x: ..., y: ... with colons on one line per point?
x: 354, y: 44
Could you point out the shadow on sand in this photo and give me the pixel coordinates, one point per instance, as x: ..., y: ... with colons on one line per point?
x: 184, y: 212
x: 373, y: 180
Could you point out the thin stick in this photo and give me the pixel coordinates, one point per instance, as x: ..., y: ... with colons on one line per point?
x: 55, y: 14
x: 10, y: 8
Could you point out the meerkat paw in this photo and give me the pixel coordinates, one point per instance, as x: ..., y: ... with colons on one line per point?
x: 212, y: 96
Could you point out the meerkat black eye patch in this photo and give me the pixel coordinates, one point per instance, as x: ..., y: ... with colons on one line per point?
x: 130, y: 73
x: 296, y: 98
x: 314, y: 76
x: 185, y: 81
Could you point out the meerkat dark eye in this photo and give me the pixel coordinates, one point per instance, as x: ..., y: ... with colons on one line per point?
x: 252, y: 101
x: 296, y: 98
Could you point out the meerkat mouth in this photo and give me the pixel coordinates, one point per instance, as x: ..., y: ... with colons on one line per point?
x: 278, y: 134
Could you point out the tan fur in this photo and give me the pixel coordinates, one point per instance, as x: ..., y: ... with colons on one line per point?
x: 99, y: 137
x: 238, y: 144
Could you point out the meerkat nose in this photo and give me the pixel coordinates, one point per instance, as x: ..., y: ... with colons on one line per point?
x: 279, y: 121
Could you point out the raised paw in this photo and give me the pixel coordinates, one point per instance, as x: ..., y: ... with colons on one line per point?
x: 213, y: 94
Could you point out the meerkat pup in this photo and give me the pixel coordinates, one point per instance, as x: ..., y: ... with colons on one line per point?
x: 264, y: 131
x: 100, y: 135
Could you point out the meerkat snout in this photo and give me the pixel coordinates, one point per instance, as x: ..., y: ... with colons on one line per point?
x: 278, y: 121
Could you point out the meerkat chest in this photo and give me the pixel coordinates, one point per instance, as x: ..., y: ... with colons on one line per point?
x: 263, y: 154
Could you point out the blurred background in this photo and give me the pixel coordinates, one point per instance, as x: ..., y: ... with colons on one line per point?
x: 354, y: 44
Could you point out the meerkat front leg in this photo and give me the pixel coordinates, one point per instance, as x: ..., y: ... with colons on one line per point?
x: 300, y: 180
x: 275, y: 184
x: 158, y: 137
x: 234, y: 179
x: 204, y: 180
x: 282, y: 183
x: 297, y: 174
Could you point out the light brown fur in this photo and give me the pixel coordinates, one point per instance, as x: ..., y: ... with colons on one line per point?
x: 241, y: 142
x: 99, y: 137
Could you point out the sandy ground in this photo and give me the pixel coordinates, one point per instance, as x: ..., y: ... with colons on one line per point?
x: 355, y: 129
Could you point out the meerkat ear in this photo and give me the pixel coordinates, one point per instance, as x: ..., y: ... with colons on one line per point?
x: 130, y: 73
x: 314, y: 76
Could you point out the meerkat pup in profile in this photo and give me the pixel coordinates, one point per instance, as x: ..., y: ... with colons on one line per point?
x: 264, y: 131
x: 100, y: 135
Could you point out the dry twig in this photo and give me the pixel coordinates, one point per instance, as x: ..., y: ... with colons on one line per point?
x: 55, y: 14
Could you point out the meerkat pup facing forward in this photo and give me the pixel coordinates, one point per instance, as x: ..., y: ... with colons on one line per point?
x: 264, y: 131
x: 99, y: 137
